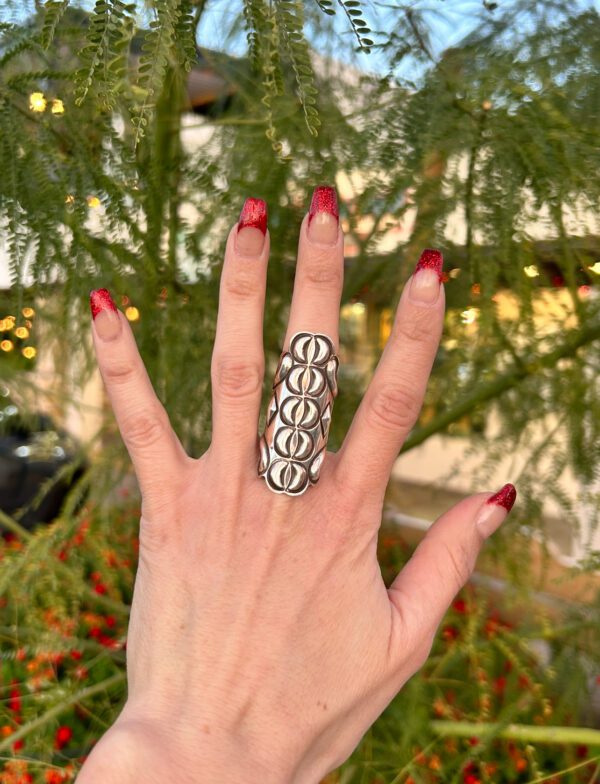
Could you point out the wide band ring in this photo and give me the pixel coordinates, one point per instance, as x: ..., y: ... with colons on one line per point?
x: 293, y: 446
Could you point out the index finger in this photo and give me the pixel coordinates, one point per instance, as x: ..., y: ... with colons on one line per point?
x: 154, y: 448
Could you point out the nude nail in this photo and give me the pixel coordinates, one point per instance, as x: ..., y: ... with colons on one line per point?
x: 495, y: 510
x: 252, y: 228
x: 323, y: 216
x: 427, y: 277
x: 105, y: 314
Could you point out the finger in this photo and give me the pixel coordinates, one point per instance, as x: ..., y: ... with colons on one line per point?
x: 319, y: 270
x: 394, y: 397
x: 444, y: 560
x: 153, y: 447
x: 238, y: 359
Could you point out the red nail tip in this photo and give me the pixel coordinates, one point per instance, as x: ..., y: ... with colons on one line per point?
x: 324, y: 199
x: 433, y: 260
x: 505, y: 497
x: 254, y: 213
x: 100, y: 300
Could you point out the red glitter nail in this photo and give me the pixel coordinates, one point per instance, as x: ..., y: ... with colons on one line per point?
x: 254, y: 213
x: 505, y: 497
x: 100, y: 300
x: 431, y: 259
x: 324, y: 199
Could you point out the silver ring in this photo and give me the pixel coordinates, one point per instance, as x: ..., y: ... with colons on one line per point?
x: 293, y: 446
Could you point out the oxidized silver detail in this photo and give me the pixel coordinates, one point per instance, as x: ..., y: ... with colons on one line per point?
x: 293, y: 446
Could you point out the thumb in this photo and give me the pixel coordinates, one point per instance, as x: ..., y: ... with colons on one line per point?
x: 445, y: 559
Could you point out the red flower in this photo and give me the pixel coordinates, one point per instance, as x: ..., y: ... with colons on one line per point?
x: 500, y: 684
x: 460, y: 606
x: 581, y: 751
x: 100, y: 588
x: 95, y: 577
x: 110, y: 621
x: 18, y: 745
x: 62, y: 737
x: 54, y: 777
x: 95, y: 631
x: 76, y: 655
x: 14, y: 699
x: 450, y: 633
x: 524, y: 681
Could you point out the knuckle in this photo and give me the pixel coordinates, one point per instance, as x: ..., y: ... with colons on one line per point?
x: 242, y: 285
x: 459, y: 561
x: 394, y: 407
x: 120, y: 372
x: 420, y: 328
x: 237, y: 378
x: 321, y: 268
x: 145, y: 428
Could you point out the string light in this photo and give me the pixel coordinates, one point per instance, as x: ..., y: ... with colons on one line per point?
x: 454, y: 273
x: 132, y: 313
x: 7, y: 323
x: 469, y: 316
x: 595, y: 268
x: 6, y: 345
x: 57, y: 107
x: 531, y: 271
x: 29, y: 352
x: 22, y: 332
x: 28, y: 312
x: 37, y: 102
x: 93, y: 201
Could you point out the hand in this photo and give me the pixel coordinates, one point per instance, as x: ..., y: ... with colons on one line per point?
x: 263, y: 642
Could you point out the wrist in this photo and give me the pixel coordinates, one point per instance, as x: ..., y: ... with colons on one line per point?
x: 135, y: 750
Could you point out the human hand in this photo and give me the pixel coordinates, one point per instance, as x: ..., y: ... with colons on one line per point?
x: 262, y: 642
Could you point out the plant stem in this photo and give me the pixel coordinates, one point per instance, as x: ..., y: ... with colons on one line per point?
x: 501, y: 384
x: 14, y: 527
x: 525, y: 733
x: 56, y: 710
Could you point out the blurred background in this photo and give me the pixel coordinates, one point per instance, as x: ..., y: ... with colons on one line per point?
x: 130, y: 135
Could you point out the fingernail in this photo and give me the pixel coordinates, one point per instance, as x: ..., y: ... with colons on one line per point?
x: 495, y: 509
x: 252, y: 228
x: 105, y: 314
x: 427, y: 277
x: 323, y: 216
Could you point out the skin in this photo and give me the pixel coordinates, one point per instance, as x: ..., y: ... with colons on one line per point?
x: 263, y: 642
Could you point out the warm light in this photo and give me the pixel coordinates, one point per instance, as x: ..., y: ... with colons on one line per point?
x: 476, y: 289
x: 486, y: 106
x: 451, y: 344
x: 357, y: 308
x: 57, y: 107
x: 29, y: 352
x: 7, y: 323
x: 37, y: 102
x: 531, y: 271
x: 28, y: 312
x: 22, y: 332
x: 595, y: 268
x: 454, y: 273
x: 69, y: 198
x: 132, y: 313
x: 93, y: 201
x: 469, y: 315
x: 6, y: 345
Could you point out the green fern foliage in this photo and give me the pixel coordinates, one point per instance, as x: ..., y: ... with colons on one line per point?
x: 105, y: 56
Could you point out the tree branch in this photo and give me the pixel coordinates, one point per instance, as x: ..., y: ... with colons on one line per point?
x: 502, y: 384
